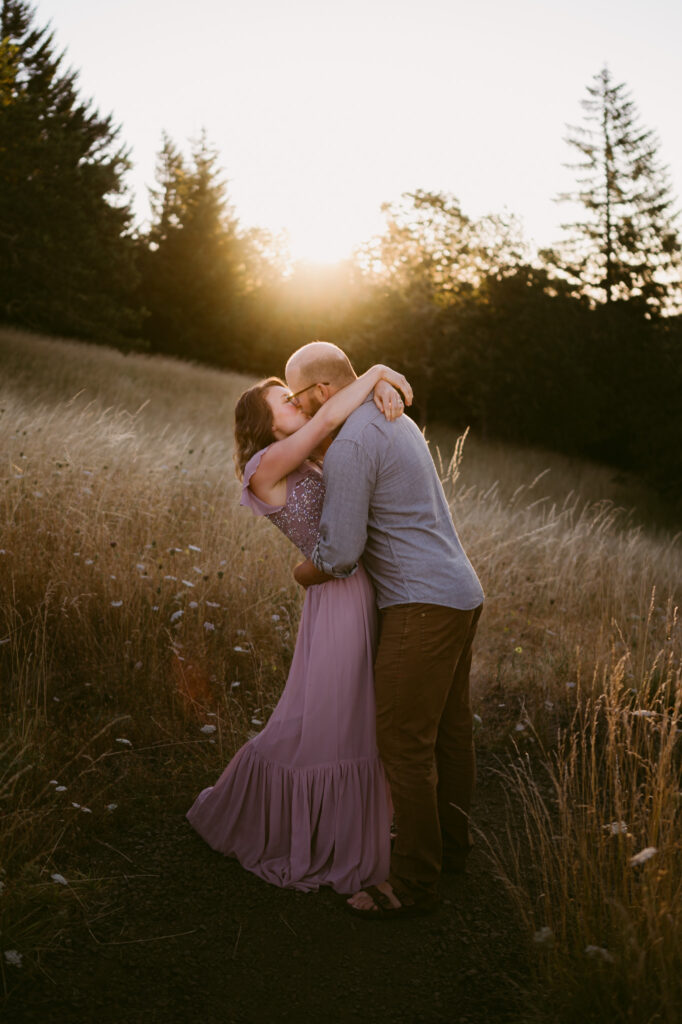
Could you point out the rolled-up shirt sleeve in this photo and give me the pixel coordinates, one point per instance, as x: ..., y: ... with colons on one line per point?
x: 349, y: 478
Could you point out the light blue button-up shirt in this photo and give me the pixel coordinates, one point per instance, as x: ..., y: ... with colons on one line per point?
x: 385, y: 502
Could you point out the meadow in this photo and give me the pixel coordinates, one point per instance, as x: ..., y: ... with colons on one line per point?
x: 146, y: 624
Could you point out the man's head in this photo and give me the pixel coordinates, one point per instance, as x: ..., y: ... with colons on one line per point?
x: 317, y: 370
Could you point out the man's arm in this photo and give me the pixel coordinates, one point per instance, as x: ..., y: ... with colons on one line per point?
x: 349, y: 478
x: 308, y: 575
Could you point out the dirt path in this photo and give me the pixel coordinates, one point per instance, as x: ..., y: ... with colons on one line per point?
x: 222, y: 947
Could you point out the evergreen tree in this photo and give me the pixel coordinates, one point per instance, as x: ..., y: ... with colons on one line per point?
x: 626, y: 246
x: 193, y: 268
x: 66, y: 255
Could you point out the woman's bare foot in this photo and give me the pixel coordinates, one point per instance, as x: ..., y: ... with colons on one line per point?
x: 363, y: 901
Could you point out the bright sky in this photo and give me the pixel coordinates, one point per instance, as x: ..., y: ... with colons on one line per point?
x: 324, y: 109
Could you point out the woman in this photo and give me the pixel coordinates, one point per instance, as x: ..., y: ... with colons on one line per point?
x: 305, y: 802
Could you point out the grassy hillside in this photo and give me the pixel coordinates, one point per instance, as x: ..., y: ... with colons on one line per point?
x: 146, y: 623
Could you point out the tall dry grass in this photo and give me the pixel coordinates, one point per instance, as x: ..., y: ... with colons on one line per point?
x: 146, y: 624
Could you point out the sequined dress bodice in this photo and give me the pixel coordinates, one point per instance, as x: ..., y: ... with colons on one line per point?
x: 299, y: 518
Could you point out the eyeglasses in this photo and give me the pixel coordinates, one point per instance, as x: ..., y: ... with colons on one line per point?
x: 292, y: 398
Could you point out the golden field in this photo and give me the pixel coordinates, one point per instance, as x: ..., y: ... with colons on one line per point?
x: 146, y: 623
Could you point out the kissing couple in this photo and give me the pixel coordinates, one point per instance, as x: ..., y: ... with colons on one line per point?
x: 375, y: 719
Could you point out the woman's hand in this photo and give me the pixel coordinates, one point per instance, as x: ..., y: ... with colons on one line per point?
x: 388, y: 400
x: 399, y: 382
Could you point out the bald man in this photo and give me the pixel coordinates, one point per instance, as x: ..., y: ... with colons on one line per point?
x: 384, y: 502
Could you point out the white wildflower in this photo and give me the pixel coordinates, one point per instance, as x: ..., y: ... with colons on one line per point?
x: 235, y: 684
x: 155, y: 607
x: 53, y: 782
x: 616, y: 828
x: 140, y: 566
x: 209, y: 627
x: 208, y: 729
x: 60, y: 789
x: 193, y: 604
x: 177, y: 615
x: 116, y: 604
x: 89, y: 561
x: 137, y: 666
x: 519, y: 727
x: 256, y: 721
x: 188, y: 583
x: 599, y: 953
x: 644, y: 855
x: 198, y: 570
x: 112, y: 807
x: 241, y: 650
x: 171, y: 578
x: 570, y: 686
x: 13, y: 957
x: 124, y: 741
x: 193, y: 547
x: 275, y: 618
x: 56, y: 699
x: 643, y: 713
x: 549, y: 704
x: 544, y: 936
x: 59, y: 879
x: 212, y: 604
x: 75, y: 805
x: 86, y: 810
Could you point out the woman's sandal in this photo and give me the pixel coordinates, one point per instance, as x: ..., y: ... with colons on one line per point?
x: 384, y: 910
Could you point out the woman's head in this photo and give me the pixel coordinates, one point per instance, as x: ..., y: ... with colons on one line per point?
x: 263, y: 415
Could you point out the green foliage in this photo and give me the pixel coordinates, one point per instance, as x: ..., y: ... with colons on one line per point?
x: 625, y: 246
x: 66, y: 255
x: 193, y: 259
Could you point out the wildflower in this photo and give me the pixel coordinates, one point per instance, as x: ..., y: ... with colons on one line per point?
x: 86, y: 810
x: 177, y: 615
x: 616, y: 828
x: 193, y: 547
x: 209, y: 627
x: 193, y: 604
x: 53, y: 782
x: 212, y: 604
x: 59, y: 879
x: 13, y: 957
x: 112, y: 807
x: 56, y: 699
x: 241, y: 650
x: 155, y: 607
x: 116, y: 604
x: 599, y: 953
x: 570, y: 686
x: 544, y: 936
x: 124, y: 741
x: 256, y: 721
x: 644, y: 855
x: 89, y: 561
x: 549, y: 705
x: 235, y: 684
x: 197, y: 569
x: 140, y: 566
x: 75, y: 805
x: 188, y: 583
x: 643, y: 713
x: 5, y: 640
x: 275, y: 618
x: 208, y: 729
x: 519, y: 727
x: 518, y: 650
x: 60, y: 789
x: 171, y: 578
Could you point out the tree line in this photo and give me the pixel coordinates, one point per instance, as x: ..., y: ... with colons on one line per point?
x: 576, y: 348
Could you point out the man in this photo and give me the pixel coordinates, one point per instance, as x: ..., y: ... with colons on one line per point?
x: 384, y: 502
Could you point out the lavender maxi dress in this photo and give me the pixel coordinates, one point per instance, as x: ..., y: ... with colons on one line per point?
x: 305, y: 802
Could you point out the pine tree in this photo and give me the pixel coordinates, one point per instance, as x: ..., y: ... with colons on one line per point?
x: 66, y: 255
x: 193, y: 262
x: 626, y: 245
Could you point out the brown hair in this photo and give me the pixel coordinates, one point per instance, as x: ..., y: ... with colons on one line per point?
x: 253, y: 422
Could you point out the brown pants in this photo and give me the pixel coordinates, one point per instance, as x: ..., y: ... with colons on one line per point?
x: 425, y: 738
